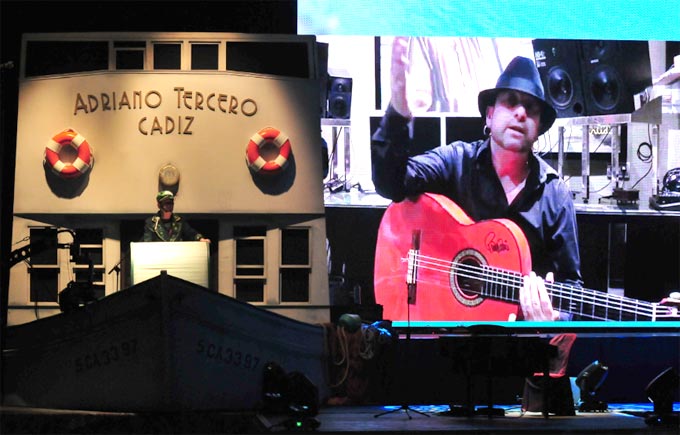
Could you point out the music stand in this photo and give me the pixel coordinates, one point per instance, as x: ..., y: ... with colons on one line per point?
x: 411, y: 284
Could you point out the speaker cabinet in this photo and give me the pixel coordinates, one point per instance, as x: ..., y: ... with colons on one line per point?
x: 339, y: 97
x: 592, y: 77
x: 559, y: 66
x: 612, y: 73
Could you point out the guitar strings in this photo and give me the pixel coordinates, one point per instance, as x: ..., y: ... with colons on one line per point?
x: 590, y: 297
x: 514, y: 280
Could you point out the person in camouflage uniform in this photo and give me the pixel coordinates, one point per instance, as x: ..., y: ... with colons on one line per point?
x: 166, y: 226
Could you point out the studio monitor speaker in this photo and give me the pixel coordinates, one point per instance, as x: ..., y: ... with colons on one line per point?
x: 592, y: 77
x: 558, y: 64
x: 613, y: 72
x: 339, y: 97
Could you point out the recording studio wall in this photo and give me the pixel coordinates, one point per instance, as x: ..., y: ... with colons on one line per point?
x: 427, y: 130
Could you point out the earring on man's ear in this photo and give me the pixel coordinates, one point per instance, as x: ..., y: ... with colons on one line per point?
x: 486, y: 130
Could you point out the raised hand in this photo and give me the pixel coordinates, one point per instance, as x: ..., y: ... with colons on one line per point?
x: 399, y: 71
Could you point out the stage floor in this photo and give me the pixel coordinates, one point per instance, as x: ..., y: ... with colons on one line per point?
x: 619, y: 419
x: 439, y: 419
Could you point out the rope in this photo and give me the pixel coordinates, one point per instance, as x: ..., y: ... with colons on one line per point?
x: 344, y: 356
x: 368, y: 336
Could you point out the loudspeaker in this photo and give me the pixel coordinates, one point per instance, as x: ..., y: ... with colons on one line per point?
x: 662, y: 391
x: 592, y: 77
x: 339, y: 97
x: 613, y: 72
x: 560, y: 398
x: 559, y: 66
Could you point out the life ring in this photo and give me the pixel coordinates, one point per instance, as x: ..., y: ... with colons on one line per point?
x: 80, y: 165
x: 268, y: 135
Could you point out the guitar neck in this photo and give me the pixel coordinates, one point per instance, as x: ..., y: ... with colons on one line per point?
x: 585, y: 303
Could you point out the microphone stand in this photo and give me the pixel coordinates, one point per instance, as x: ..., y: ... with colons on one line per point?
x: 117, y: 269
x: 411, y: 283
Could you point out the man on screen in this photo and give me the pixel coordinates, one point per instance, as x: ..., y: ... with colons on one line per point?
x: 496, y: 177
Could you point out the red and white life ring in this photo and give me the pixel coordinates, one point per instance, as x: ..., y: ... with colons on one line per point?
x: 80, y: 165
x: 268, y: 135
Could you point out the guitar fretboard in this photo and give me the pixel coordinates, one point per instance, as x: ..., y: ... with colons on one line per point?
x: 591, y: 304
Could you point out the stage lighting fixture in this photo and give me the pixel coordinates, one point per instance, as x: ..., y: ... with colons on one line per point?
x: 661, y: 391
x: 76, y: 295
x: 589, y: 382
x: 304, y: 424
x: 274, y: 388
x: 302, y: 395
x: 292, y: 394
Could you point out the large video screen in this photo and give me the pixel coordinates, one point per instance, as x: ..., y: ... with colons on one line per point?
x: 465, y: 45
x: 574, y: 19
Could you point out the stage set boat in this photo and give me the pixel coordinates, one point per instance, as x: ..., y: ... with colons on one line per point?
x: 91, y: 164
x: 163, y: 344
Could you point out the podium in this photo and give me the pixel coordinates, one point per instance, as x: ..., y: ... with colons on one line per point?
x: 185, y: 260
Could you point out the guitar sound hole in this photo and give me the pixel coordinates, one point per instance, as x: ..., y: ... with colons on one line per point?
x: 468, y: 278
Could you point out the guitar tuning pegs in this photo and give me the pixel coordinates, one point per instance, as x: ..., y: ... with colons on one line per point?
x: 672, y: 299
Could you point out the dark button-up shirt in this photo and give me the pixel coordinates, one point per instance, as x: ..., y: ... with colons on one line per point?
x: 462, y: 171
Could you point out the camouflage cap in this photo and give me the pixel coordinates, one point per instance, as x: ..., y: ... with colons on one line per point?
x: 165, y: 195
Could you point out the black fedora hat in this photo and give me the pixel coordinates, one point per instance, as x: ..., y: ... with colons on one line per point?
x: 520, y: 75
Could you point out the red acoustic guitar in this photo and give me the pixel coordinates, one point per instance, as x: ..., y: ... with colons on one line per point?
x: 432, y: 256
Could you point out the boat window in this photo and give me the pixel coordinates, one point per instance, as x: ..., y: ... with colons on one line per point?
x: 167, y: 56
x: 295, y: 268
x: 249, y: 263
x: 204, y: 56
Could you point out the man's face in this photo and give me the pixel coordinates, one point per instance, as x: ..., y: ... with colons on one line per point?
x: 514, y: 120
x: 166, y: 205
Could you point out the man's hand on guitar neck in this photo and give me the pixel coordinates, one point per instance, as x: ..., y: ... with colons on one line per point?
x: 534, y: 299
